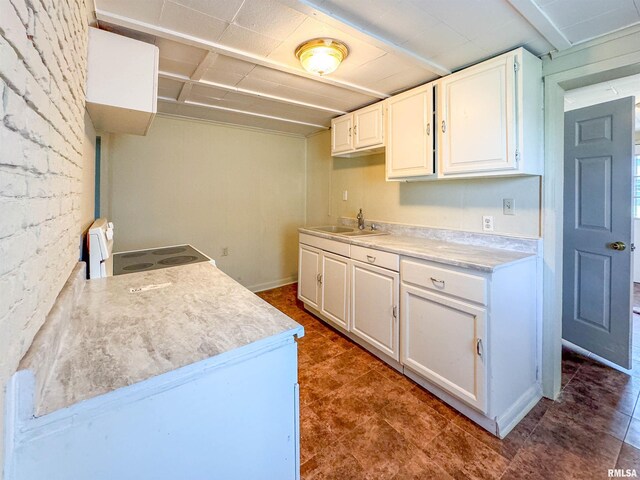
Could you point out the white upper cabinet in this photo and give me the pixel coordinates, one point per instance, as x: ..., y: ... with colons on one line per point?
x: 122, y: 83
x: 490, y: 118
x: 342, y: 134
x: 409, y: 151
x: 368, y: 128
x: 358, y: 133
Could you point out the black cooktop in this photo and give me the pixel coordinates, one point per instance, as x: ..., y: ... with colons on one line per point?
x: 155, y: 258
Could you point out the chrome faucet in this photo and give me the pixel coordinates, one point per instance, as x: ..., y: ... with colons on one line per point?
x: 360, y: 218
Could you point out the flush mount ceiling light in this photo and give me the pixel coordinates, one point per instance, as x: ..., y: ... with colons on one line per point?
x: 321, y: 56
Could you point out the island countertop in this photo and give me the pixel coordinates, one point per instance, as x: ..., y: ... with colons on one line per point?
x: 482, y: 258
x: 128, y: 328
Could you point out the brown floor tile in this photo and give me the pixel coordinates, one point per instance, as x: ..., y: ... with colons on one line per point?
x: 557, y: 449
x: 421, y: 468
x: 319, y: 348
x: 379, y: 448
x: 573, y: 408
x: 434, y: 402
x: 415, y: 420
x: 465, y: 457
x: 633, y: 434
x: 629, y: 457
x: 315, y: 435
x: 511, y: 444
x: 333, y: 464
x: 392, y: 374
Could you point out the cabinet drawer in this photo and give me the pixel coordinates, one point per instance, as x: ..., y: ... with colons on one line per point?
x: 463, y: 285
x: 376, y: 257
x: 325, y: 244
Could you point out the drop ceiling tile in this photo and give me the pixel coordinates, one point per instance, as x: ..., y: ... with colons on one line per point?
x: 169, y: 88
x: 341, y: 104
x: 174, y: 66
x: 510, y: 36
x: 377, y: 69
x: 208, y: 92
x: 145, y: 10
x: 404, y: 80
x: 222, y: 76
x: 269, y: 17
x: 186, y: 20
x: 249, y: 41
x: 435, y: 40
x: 232, y: 65
x: 461, y: 56
x: 179, y: 51
x: 225, y: 10
x: 167, y: 107
x: 402, y: 22
x: 259, y: 85
x: 570, y: 12
x: 610, y: 21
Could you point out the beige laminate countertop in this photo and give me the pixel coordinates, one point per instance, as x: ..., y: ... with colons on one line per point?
x: 117, y: 337
x: 482, y: 258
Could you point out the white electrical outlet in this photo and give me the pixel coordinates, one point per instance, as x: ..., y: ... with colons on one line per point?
x: 508, y: 206
x: 345, y: 195
x: 487, y: 223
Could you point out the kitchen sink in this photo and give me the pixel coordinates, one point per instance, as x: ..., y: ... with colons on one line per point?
x: 347, y: 231
x: 333, y: 229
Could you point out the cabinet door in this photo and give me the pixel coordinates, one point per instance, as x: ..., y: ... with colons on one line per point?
x: 409, y: 151
x: 341, y: 134
x: 443, y: 341
x: 334, y: 281
x: 309, y: 275
x: 374, y: 311
x: 477, y: 119
x: 368, y: 126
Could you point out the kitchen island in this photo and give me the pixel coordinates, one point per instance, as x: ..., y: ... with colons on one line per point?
x: 172, y: 373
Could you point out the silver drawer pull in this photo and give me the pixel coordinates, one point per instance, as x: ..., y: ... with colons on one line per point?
x: 319, y: 278
x: 479, y: 347
x: 438, y: 282
x: 371, y: 259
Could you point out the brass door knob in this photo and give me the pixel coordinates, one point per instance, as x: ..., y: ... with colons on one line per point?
x: 618, y: 246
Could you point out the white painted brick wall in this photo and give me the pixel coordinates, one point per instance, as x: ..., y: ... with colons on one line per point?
x: 42, y: 97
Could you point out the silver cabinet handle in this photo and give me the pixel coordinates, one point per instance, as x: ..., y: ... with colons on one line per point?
x: 355, y: 130
x: 395, y: 311
x: 479, y: 347
x: 436, y: 281
x: 444, y: 126
x: 319, y: 278
x: 371, y: 259
x: 349, y: 131
x: 428, y: 129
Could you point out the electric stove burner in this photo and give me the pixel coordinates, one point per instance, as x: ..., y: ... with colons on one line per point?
x: 169, y: 251
x: 181, y: 260
x: 137, y: 266
x: 133, y: 255
x: 156, y: 258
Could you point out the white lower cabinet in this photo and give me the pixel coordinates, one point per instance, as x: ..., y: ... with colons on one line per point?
x: 442, y: 340
x: 374, y: 307
x: 309, y: 275
x: 334, y: 288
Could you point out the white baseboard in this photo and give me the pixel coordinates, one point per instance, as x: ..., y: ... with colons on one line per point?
x: 261, y: 287
x: 518, y: 410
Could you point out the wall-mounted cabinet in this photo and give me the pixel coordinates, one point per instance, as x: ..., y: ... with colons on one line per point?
x: 490, y: 118
x: 122, y: 83
x: 410, y: 148
x: 358, y: 133
x: 483, y: 121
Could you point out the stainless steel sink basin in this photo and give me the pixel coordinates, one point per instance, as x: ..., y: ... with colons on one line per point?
x: 333, y: 229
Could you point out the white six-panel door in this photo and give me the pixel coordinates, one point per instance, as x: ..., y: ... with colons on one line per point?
x: 477, y: 118
x: 334, y: 286
x: 442, y: 340
x: 374, y: 311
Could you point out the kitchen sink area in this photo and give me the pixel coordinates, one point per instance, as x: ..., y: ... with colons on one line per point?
x: 348, y: 231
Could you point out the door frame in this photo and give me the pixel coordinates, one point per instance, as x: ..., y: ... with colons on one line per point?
x: 610, y: 57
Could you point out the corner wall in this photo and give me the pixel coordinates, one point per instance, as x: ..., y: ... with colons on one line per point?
x: 213, y: 186
x: 450, y: 204
x: 46, y: 165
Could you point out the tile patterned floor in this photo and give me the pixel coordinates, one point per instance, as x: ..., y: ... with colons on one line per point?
x: 362, y: 420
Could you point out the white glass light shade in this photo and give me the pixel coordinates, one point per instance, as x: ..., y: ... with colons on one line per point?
x: 321, y: 56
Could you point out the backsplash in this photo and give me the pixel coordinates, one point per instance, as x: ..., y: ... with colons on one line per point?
x: 517, y: 244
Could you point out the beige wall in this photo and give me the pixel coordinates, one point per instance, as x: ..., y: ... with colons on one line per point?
x: 213, y: 186
x: 46, y: 166
x: 453, y: 204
